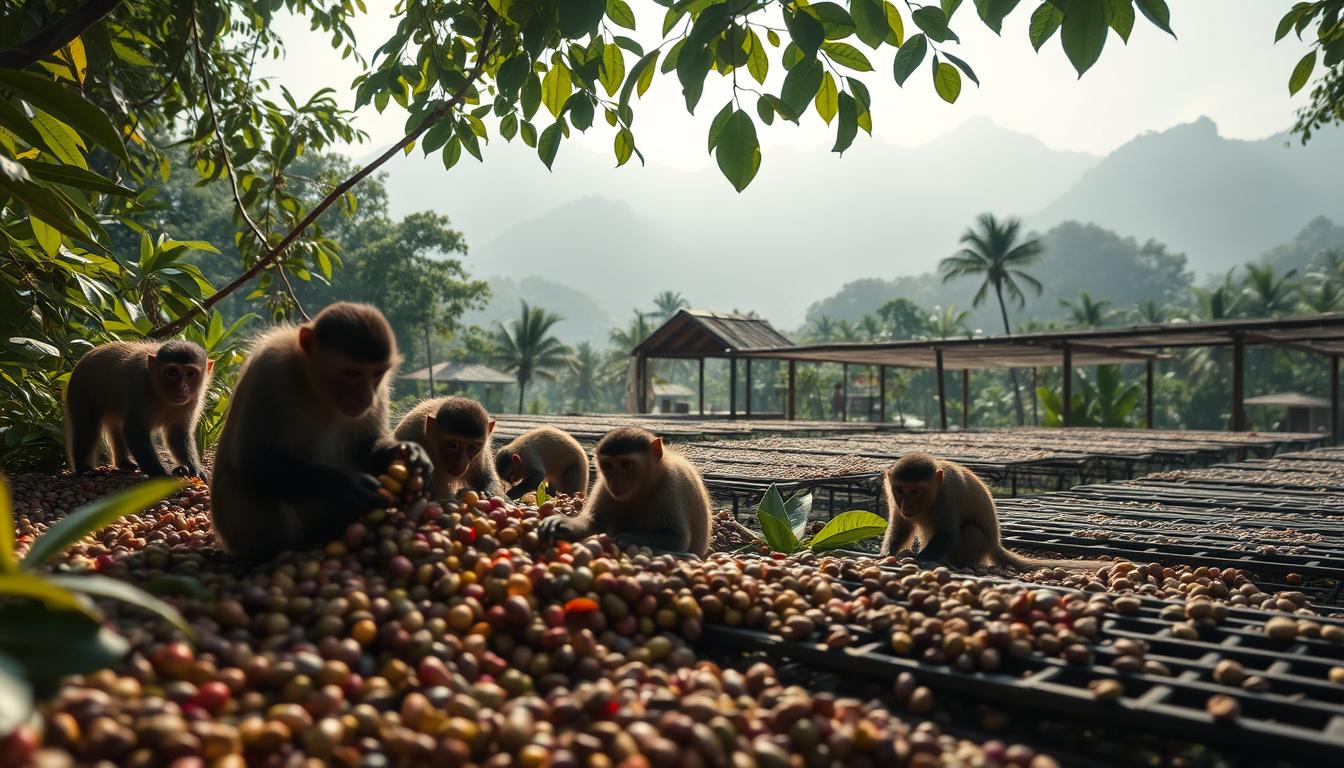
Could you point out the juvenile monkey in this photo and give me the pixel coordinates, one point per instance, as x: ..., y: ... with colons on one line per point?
x: 544, y: 453
x: 305, y: 433
x: 455, y: 431
x: 645, y: 495
x: 131, y: 389
x: 953, y: 512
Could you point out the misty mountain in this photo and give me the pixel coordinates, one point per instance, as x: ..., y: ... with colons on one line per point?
x: 583, y: 319
x: 1308, y: 248
x: 1220, y: 201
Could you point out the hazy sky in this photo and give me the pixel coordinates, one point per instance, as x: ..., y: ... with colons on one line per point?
x: 1223, y: 64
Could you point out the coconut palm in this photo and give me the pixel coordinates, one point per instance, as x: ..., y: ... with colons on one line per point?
x: 527, y: 349
x: 629, y: 337
x: 846, y: 331
x: 1267, y: 294
x: 823, y: 329
x: 586, y: 372
x: 948, y: 323
x: 1148, y: 312
x: 1221, y: 302
x: 870, y: 328
x: 669, y: 303
x: 997, y: 253
x: 1323, y: 295
x: 1085, y: 311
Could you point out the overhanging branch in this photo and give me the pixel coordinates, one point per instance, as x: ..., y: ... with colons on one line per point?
x: 57, y: 35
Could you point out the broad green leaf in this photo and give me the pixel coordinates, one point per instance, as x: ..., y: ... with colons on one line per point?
x: 79, y: 178
x: 511, y: 75
x: 581, y: 17
x: 530, y: 96
x: 798, y: 508
x: 556, y: 88
x: 758, y: 63
x: 452, y: 153
x: 801, y: 84
x: 897, y: 34
x: 47, y: 236
x: 1302, y: 72
x: 909, y: 57
x: 549, y: 144
x: 692, y: 68
x: 738, y: 152
x: 716, y: 125
x: 848, y: 56
x: 836, y: 22
x: 848, y: 126
x: 542, y: 496
x: 613, y: 68
x: 67, y: 106
x: 646, y: 77
x: 963, y: 66
x: 806, y: 32
x: 619, y: 12
x: 765, y: 111
x: 773, y: 37
x: 645, y: 67
x: 96, y: 515
x: 870, y: 21
x: 848, y: 528
x: 1084, y: 33
x: 60, y: 140
x: 1122, y: 17
x: 580, y: 111
x: 624, y: 146
x: 16, y: 697
x: 774, y: 521
x: 50, y: 644
x: 1157, y: 12
x: 102, y: 586
x: 946, y: 80
x: 15, y: 121
x: 828, y: 98
x: 1044, y: 21
x: 1287, y: 22
x: 8, y: 563
x: 34, y: 587
x: 508, y: 126
x: 933, y: 22
x: 529, y: 133
x: 44, y: 204
x: 992, y: 12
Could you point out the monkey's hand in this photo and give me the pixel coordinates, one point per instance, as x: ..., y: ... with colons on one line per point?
x: 560, y: 527
x: 188, y: 470
x: 361, y: 493
x: 416, y: 457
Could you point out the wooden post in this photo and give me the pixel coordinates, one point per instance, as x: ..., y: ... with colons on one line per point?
x: 965, y: 398
x: 1334, y: 399
x: 942, y: 392
x: 732, y: 387
x: 1068, y: 383
x: 882, y: 393
x: 1238, y: 420
x: 793, y: 388
x: 1150, y: 393
x: 844, y: 392
x: 748, y: 387
x: 642, y: 377
x: 702, y: 386
x: 1035, y: 417
x: 429, y: 358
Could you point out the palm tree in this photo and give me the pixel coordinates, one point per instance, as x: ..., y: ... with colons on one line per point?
x: 1148, y: 312
x: 1324, y: 295
x: 527, y: 349
x: 1087, y: 312
x: 997, y: 253
x: 870, y: 328
x: 586, y: 371
x: 669, y: 303
x: 1220, y: 303
x: 845, y: 331
x: 823, y: 329
x: 626, y: 339
x: 1268, y: 295
x: 947, y: 323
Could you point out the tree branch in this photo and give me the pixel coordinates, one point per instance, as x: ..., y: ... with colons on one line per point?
x: 433, y: 117
x: 56, y: 35
x: 228, y: 163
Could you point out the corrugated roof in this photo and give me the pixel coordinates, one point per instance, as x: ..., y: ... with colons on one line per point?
x: 693, y: 333
x: 1289, y: 400
x: 466, y: 373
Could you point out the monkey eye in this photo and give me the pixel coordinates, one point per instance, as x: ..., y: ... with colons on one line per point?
x: 451, y: 447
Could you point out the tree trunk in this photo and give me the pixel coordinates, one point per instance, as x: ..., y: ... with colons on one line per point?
x: 1012, y: 372
x: 522, y: 387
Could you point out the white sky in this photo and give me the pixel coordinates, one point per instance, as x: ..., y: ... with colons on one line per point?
x: 1224, y: 64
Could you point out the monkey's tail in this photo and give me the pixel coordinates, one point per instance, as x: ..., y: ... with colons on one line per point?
x: 1003, y: 557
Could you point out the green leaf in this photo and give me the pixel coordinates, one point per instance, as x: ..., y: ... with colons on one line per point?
x: 549, y: 144
x: 51, y: 644
x: 806, y: 32
x: 774, y: 520
x: 613, y: 68
x: 1084, y: 33
x: 511, y: 75
x: 542, y: 496
x: 933, y: 22
x: 848, y: 127
x: 827, y: 101
x: 79, y: 178
x: 530, y: 98
x: 738, y: 151
x: 758, y: 63
x: 848, y: 56
x: 946, y: 80
x: 835, y: 20
x: 897, y: 35
x: 1121, y: 13
x: 716, y: 125
x: 47, y: 236
x: 556, y: 88
x: 67, y: 106
x: 1044, y: 21
x: 624, y: 146
x: 508, y: 126
x: 801, y: 84
x: 963, y: 66
x: 643, y: 68
x: 1302, y: 72
x: 16, y: 696
x: 452, y: 153
x: 114, y: 589
x: 619, y: 12
x: 909, y: 57
x: 992, y: 12
x: 798, y: 508
x: 1285, y: 24
x: 765, y: 111
x: 8, y: 563
x: 1157, y: 12
x: 581, y: 17
x: 870, y: 21
x: 96, y: 515
x: 848, y: 528
x: 60, y: 139
x: 692, y: 68
x: 44, y: 204
x: 529, y: 133
x: 33, y: 587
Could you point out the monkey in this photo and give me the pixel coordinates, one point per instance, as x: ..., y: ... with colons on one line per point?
x: 305, y: 433
x: 544, y: 453
x: 953, y: 512
x: 646, y: 495
x: 130, y: 390
x: 455, y: 431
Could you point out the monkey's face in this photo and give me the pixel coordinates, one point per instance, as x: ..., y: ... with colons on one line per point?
x: 456, y: 452
x: 178, y: 383
x: 625, y: 474
x: 351, y: 385
x: 913, y: 498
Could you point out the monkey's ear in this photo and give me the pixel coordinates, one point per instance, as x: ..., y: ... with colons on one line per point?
x: 516, y: 460
x: 149, y: 361
x: 307, y: 339
x: 490, y: 427
x: 938, y: 477
x: 431, y: 425
x: 209, y: 365
x: 656, y: 448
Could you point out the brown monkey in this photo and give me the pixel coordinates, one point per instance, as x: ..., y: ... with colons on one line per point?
x: 645, y: 495
x: 306, y: 431
x: 131, y: 389
x: 953, y: 512
x: 544, y: 453
x: 455, y: 431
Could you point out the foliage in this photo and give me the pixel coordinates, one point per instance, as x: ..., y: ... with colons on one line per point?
x: 527, y: 349
x: 1266, y: 294
x: 947, y: 323
x: 1327, y: 96
x: 1107, y: 402
x: 668, y: 303
x: 903, y: 318
x: 1087, y: 312
x: 784, y: 524
x: 49, y: 625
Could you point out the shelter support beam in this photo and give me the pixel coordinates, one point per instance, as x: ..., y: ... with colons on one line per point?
x: 732, y: 387
x: 942, y: 390
x: 1238, y: 420
x: 965, y: 398
x: 1067, y: 375
x: 748, y: 387
x: 702, y: 386
x: 882, y: 393
x: 1148, y: 420
x: 1334, y: 399
x: 793, y: 390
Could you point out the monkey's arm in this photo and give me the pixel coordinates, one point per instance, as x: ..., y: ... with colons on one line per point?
x: 672, y: 532
x: 183, y: 448
x: 528, y: 484
x: 385, y: 450
x: 899, y: 534
x: 137, y: 431
x: 285, y: 477
x: 946, y: 534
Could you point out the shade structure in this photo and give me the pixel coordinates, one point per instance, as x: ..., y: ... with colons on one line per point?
x: 1288, y: 400
x: 463, y: 373
x: 697, y: 333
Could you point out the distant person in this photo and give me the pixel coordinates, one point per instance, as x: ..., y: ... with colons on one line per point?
x: 838, y: 403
